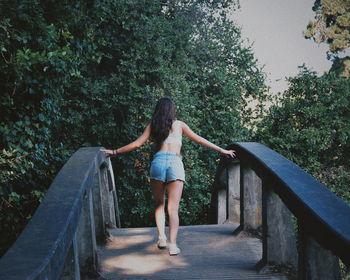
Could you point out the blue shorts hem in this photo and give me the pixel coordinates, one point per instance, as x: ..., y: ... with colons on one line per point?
x: 168, y: 181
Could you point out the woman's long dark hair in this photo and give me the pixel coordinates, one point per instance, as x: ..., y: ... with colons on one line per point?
x: 162, y: 120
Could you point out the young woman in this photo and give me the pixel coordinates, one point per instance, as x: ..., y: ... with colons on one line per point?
x: 167, y: 171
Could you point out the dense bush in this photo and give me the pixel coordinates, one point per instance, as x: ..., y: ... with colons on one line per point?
x: 310, y: 126
x: 179, y: 51
x: 88, y: 73
x: 40, y: 64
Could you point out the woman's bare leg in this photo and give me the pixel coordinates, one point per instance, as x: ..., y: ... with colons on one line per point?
x: 159, y: 197
x: 174, y: 195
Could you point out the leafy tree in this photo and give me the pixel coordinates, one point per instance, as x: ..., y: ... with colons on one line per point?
x: 43, y: 56
x: 88, y: 73
x: 332, y: 25
x: 187, y: 53
x: 310, y: 126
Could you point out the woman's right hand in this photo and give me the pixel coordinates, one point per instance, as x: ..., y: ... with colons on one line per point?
x: 229, y: 153
x: 108, y: 152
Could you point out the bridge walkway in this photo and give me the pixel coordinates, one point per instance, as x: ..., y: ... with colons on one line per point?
x: 261, y: 189
x: 207, y: 252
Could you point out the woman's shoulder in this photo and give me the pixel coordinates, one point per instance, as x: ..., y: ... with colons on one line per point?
x: 179, y: 123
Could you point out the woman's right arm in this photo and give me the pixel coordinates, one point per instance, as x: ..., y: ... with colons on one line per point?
x: 204, y: 142
x: 133, y: 145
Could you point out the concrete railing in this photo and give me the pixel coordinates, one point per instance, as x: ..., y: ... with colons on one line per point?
x: 59, y: 242
x: 302, y: 224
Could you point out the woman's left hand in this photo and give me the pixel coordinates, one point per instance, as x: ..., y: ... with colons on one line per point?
x: 229, y: 153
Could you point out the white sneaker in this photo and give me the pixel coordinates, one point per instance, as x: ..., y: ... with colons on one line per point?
x: 174, y: 250
x: 162, y: 244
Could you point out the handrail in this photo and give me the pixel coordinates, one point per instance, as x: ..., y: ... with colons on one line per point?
x: 77, y: 206
x: 321, y: 215
x: 60, y: 239
x: 325, y: 214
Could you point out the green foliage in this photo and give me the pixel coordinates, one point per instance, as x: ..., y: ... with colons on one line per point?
x: 332, y: 25
x: 88, y: 73
x: 311, y: 127
x: 42, y: 57
x: 179, y: 51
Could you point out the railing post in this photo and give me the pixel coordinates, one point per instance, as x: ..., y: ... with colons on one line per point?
x: 315, y: 262
x: 71, y: 269
x: 279, y: 238
x: 105, y: 197
x: 233, y: 191
x: 221, y: 214
x: 97, y: 204
x: 116, y: 208
x: 113, y: 193
x: 251, y: 205
x: 222, y: 206
x: 87, y: 253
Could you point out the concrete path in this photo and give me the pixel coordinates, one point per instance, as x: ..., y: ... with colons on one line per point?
x: 208, y: 252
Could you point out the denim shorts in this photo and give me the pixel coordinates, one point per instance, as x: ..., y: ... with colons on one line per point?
x: 167, y: 167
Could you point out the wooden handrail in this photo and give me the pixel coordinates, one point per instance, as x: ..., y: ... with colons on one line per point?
x: 321, y: 215
x: 61, y: 236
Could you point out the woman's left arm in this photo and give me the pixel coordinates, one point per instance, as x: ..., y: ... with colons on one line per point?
x: 133, y: 145
x: 204, y: 142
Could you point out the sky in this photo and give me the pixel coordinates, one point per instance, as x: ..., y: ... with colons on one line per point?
x: 275, y: 27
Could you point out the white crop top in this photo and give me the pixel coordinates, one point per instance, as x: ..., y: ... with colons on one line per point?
x: 174, y: 137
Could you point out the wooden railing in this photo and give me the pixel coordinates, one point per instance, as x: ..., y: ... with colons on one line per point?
x: 59, y: 242
x: 302, y: 224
